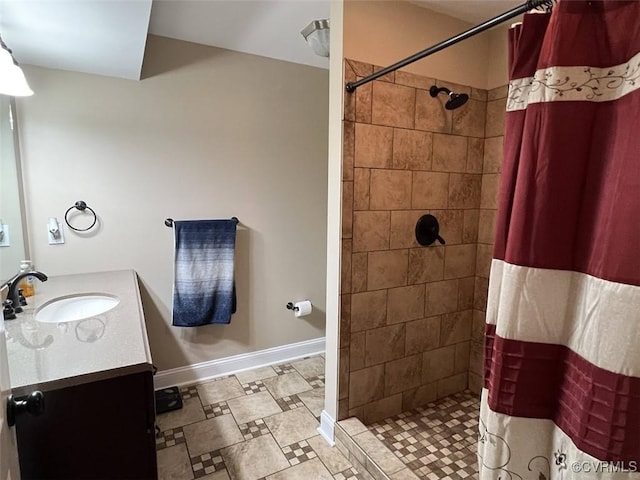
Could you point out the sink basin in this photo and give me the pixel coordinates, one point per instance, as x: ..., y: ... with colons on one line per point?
x: 76, y: 307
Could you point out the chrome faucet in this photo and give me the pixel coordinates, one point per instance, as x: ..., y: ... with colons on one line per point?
x: 12, y: 293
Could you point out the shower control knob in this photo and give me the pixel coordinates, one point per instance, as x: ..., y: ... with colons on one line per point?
x: 428, y: 230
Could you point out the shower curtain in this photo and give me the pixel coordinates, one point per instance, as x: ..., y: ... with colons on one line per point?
x: 561, y: 397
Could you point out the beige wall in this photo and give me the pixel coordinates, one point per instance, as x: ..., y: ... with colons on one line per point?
x: 208, y: 133
x: 384, y: 32
x: 498, y: 71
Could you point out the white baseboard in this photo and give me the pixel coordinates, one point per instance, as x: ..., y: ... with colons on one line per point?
x: 327, y: 424
x: 201, y: 372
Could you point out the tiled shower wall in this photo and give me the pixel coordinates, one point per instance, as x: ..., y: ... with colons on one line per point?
x: 407, y: 311
x: 494, y: 136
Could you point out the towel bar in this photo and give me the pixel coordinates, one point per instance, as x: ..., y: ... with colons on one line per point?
x: 169, y: 221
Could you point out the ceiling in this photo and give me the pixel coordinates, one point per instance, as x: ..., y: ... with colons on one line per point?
x: 107, y: 37
x: 103, y: 37
x: 267, y: 28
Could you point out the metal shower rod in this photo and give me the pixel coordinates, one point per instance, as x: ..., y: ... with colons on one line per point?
x: 525, y: 7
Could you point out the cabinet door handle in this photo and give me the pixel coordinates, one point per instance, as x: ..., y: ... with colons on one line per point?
x: 32, y: 404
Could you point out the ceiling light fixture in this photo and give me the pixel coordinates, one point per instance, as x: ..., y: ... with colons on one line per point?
x: 317, y: 36
x: 12, y: 80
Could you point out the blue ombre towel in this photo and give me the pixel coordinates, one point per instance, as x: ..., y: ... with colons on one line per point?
x: 204, y: 289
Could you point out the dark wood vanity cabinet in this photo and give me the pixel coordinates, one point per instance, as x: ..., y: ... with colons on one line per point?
x: 103, y: 429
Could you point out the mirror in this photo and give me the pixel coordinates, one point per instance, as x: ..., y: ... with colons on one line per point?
x: 13, y: 244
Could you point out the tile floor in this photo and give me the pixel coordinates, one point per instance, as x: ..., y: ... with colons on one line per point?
x: 437, y: 441
x: 255, y: 425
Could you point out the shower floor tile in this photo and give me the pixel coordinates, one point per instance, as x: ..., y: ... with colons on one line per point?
x: 437, y: 441
x: 229, y: 428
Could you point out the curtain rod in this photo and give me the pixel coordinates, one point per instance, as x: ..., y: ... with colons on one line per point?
x: 525, y: 7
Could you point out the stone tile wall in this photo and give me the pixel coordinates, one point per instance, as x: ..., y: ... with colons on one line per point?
x: 492, y: 162
x: 407, y: 311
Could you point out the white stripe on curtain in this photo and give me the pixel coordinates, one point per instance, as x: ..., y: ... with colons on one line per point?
x: 551, y: 453
x: 587, y: 314
x: 571, y: 84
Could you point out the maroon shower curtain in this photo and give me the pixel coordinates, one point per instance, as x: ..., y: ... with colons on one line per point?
x: 562, y: 354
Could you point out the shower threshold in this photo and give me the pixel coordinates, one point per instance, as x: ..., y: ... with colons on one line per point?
x: 433, y: 442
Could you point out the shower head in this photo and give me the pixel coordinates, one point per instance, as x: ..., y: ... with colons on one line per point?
x: 456, y: 100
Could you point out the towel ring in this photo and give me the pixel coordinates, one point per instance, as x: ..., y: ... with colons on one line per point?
x: 82, y: 206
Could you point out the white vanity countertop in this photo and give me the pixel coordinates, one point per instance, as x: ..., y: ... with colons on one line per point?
x: 49, y: 356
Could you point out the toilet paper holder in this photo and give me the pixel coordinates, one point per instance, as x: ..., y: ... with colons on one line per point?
x: 301, y: 308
